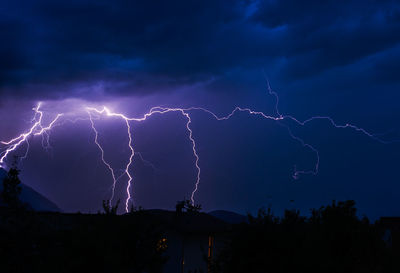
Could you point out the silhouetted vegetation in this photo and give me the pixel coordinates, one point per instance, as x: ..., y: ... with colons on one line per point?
x: 54, y: 242
x: 133, y: 209
x: 11, y: 188
x: 186, y: 205
x: 332, y: 239
x: 110, y: 209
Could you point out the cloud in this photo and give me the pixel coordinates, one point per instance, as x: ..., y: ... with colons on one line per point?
x: 320, y: 35
x: 141, y: 47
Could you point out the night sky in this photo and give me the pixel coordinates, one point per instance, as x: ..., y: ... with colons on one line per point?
x: 328, y: 58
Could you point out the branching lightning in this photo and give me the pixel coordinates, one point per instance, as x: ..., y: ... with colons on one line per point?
x: 155, y: 110
x: 38, y: 129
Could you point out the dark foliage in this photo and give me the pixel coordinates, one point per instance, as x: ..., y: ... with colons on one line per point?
x: 11, y: 188
x: 188, y: 206
x: 54, y: 242
x: 109, y: 209
x: 332, y: 239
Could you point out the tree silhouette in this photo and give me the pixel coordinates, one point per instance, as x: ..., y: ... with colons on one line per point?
x: 12, y: 188
x: 332, y: 239
x: 109, y: 209
x: 193, y: 208
x: 133, y: 209
x: 188, y: 206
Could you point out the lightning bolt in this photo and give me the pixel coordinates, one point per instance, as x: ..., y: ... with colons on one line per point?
x: 38, y: 129
x: 146, y: 162
x: 107, y: 112
x: 154, y: 110
x: 96, y: 141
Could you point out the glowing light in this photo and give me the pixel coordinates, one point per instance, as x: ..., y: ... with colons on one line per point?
x: 16, y: 142
x: 96, y: 141
x: 38, y: 129
x: 154, y: 110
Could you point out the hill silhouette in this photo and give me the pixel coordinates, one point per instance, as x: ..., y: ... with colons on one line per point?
x: 229, y: 216
x: 33, y: 198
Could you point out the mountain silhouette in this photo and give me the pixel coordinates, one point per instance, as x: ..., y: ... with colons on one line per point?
x: 229, y: 216
x: 31, y: 197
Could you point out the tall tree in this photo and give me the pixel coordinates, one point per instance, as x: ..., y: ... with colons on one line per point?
x: 11, y: 188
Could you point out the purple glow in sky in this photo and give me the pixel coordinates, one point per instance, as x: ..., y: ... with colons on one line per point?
x: 203, y: 64
x: 93, y: 113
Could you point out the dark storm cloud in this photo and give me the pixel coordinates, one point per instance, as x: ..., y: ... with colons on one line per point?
x: 333, y: 58
x: 320, y: 35
x: 59, y: 47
